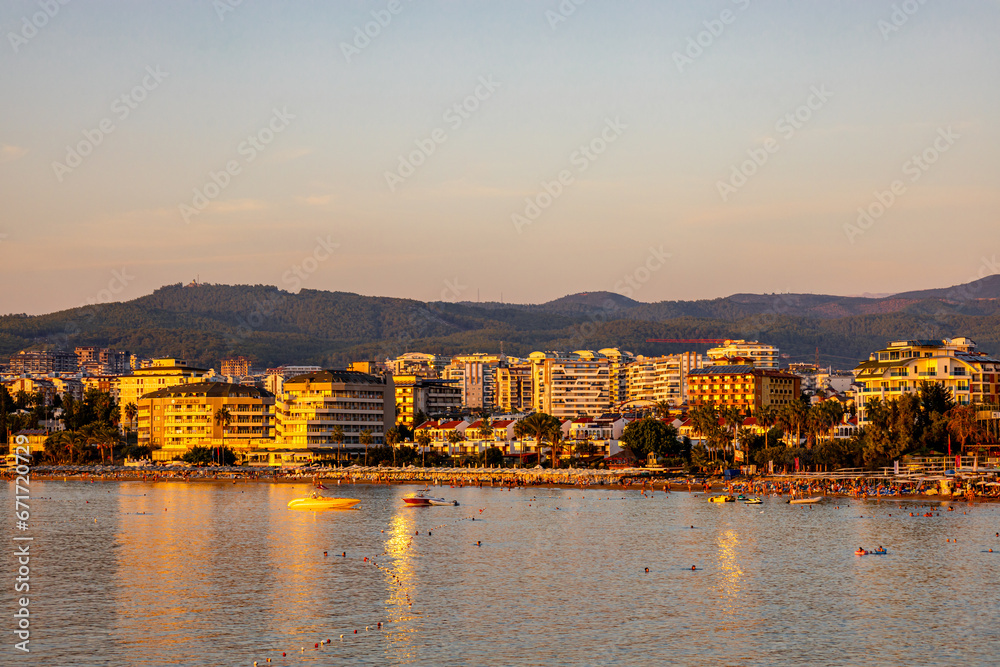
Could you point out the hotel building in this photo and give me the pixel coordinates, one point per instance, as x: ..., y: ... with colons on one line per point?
x: 954, y: 363
x: 572, y: 384
x: 653, y: 379
x: 163, y: 373
x: 174, y: 419
x: 431, y: 396
x: 512, y: 387
x: 738, y: 352
x: 742, y: 386
x: 311, y: 405
x: 474, y: 375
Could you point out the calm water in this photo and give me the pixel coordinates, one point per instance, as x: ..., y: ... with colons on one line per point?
x: 223, y: 574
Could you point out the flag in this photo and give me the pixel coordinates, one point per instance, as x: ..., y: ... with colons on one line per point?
x: 796, y: 464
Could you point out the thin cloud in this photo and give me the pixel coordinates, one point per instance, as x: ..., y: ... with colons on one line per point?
x: 10, y: 153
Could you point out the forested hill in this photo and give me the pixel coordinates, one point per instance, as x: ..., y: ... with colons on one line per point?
x: 205, y: 323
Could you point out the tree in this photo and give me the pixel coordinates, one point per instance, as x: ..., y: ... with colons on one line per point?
x: 454, y: 437
x: 101, y: 437
x: 424, y: 440
x: 223, y: 418
x: 538, y: 426
x: 131, y: 411
x: 494, y: 457
x: 555, y: 436
x: 486, y: 433
x: 962, y: 423
x: 366, y: 439
x: 393, y: 438
x: 765, y: 419
x: 662, y: 409
x: 338, y: 437
x: 651, y: 436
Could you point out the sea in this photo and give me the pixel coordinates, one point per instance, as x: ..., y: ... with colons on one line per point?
x: 213, y: 573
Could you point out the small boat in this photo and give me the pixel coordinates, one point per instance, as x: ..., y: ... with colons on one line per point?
x: 879, y: 552
x: 753, y: 501
x: 722, y: 499
x: 318, y: 502
x: 804, y: 501
x: 422, y: 499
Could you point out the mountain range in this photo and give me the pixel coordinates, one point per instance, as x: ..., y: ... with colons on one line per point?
x: 204, y: 323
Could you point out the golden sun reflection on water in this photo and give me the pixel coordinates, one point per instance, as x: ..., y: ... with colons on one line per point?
x: 731, y: 584
x: 400, y: 576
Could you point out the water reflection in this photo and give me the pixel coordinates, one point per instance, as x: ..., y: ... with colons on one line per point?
x: 401, y: 578
x: 730, y: 586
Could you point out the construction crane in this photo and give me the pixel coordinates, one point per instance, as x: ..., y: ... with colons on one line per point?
x: 709, y: 341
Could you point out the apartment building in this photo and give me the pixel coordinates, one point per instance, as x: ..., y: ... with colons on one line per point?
x: 432, y: 396
x: 571, y: 384
x: 174, y: 419
x: 40, y: 362
x: 311, y: 405
x: 239, y: 366
x: 512, y: 387
x: 664, y: 378
x: 474, y: 375
x: 971, y: 376
x: 742, y: 386
x: 94, y: 360
x: 417, y: 363
x: 741, y: 352
x: 163, y: 373
x: 618, y: 363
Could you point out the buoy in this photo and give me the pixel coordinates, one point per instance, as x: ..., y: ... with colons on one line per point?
x: 341, y: 637
x: 647, y: 569
x: 316, y: 645
x: 355, y: 632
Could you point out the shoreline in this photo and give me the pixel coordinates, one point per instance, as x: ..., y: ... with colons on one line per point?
x: 503, y: 478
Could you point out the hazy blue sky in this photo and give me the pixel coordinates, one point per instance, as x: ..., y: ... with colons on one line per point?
x: 111, y: 224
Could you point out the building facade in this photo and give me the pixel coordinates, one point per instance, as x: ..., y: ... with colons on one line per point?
x: 970, y: 376
x: 742, y: 352
x: 163, y: 373
x: 512, y: 387
x: 312, y: 405
x: 572, y: 384
x: 174, y: 419
x: 474, y: 375
x: 742, y: 386
x: 36, y: 362
x: 650, y: 380
x: 432, y: 396
x: 237, y: 366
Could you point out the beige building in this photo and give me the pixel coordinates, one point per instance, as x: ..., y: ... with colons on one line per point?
x: 163, y: 373
x: 474, y: 375
x: 417, y: 363
x: 970, y: 376
x: 174, y: 419
x: 745, y: 387
x: 664, y: 378
x: 567, y: 385
x: 431, y: 396
x: 311, y: 405
x: 512, y: 387
x: 742, y: 352
x: 618, y: 363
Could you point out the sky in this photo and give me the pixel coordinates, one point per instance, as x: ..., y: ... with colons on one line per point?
x: 508, y: 150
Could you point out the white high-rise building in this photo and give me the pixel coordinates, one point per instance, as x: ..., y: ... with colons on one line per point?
x: 570, y: 384
x: 744, y: 352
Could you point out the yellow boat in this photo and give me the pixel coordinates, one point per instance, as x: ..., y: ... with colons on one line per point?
x: 722, y: 499
x: 322, y: 503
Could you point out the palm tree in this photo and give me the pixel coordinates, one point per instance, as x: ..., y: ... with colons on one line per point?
x: 486, y: 433
x: 538, y: 426
x: 555, y: 435
x: 765, y: 419
x: 338, y: 437
x: 454, y: 437
x: 662, y: 409
x: 223, y: 418
x: 131, y: 411
x: 424, y: 440
x: 392, y: 438
x: 366, y: 439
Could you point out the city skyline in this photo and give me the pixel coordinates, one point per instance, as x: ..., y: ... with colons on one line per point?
x: 405, y: 162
